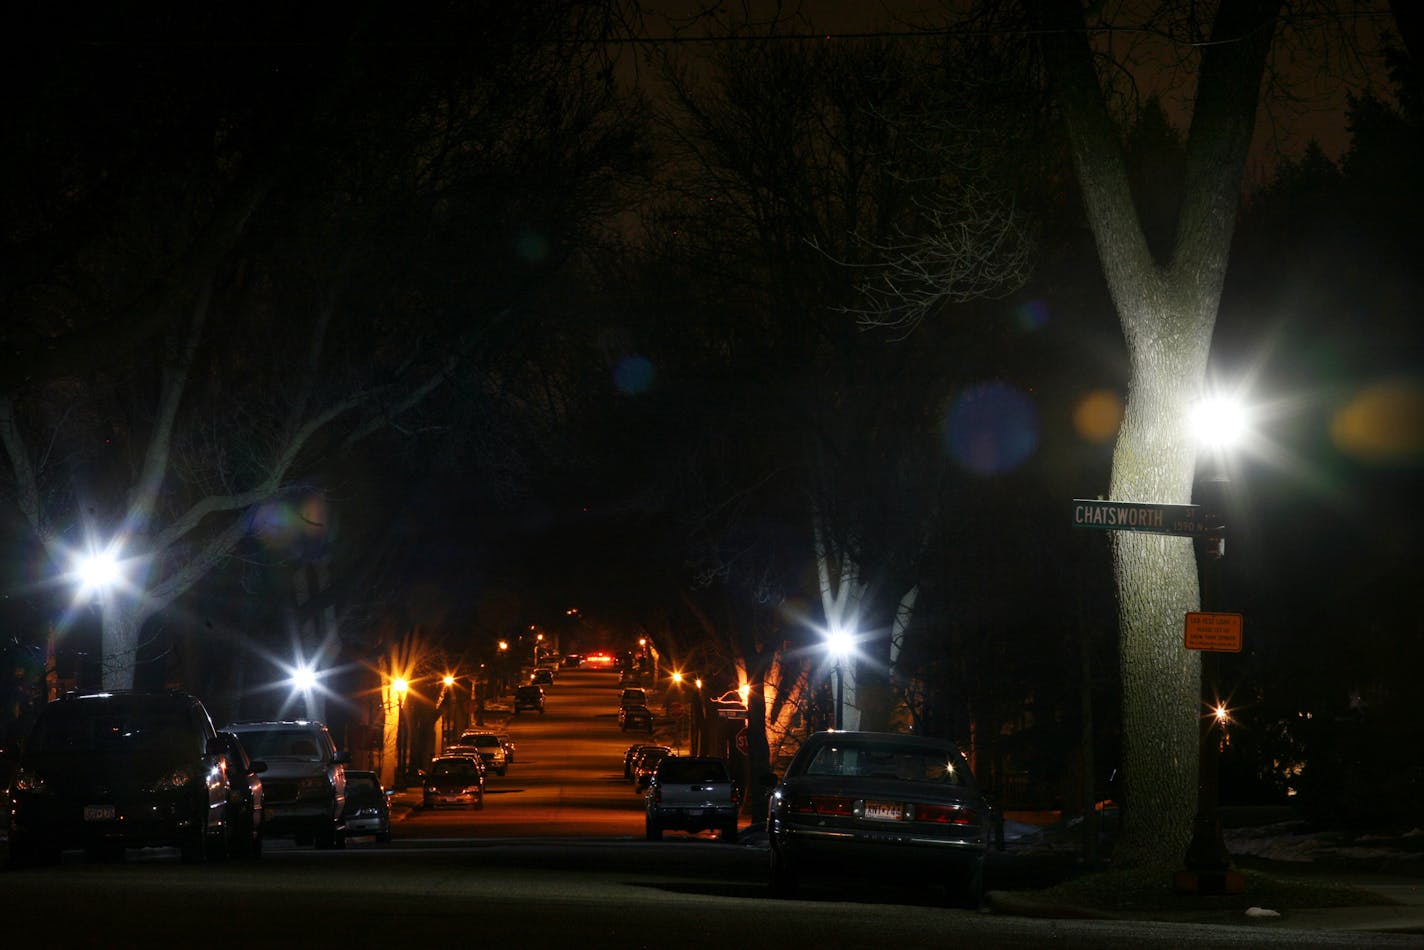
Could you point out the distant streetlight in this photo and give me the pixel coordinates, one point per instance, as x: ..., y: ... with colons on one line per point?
x: 840, y: 644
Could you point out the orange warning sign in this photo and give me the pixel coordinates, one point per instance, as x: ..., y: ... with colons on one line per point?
x: 1219, y: 633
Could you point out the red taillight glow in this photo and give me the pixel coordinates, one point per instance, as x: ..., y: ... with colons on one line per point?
x: 823, y: 805
x: 946, y: 815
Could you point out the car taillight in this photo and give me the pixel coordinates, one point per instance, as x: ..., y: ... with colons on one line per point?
x: 942, y: 814
x: 823, y: 805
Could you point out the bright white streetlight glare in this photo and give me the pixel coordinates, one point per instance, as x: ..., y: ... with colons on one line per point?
x: 304, y: 678
x: 98, y: 570
x: 1219, y: 422
x: 839, y: 642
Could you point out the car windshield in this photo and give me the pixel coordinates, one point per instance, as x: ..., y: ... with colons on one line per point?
x: 129, y: 725
x: 677, y: 771
x: 454, y: 770
x: 902, y: 763
x: 295, y: 743
x: 361, y: 788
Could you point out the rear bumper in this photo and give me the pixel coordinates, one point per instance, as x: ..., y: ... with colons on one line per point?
x: 874, y: 851
x: 689, y: 818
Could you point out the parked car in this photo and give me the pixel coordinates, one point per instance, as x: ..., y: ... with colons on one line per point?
x: 635, y: 717
x: 572, y: 660
x: 630, y: 678
x: 633, y: 696
x: 542, y: 677
x: 490, y: 748
x: 244, y: 800
x: 508, y: 743
x: 529, y: 696
x: 631, y: 755
x: 453, y: 780
x: 646, y: 763
x: 473, y: 751
x: 305, y: 782
x: 889, y: 804
x: 116, y: 770
x: 368, y: 807
x: 691, y: 793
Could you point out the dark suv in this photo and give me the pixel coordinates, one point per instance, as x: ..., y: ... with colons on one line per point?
x: 529, y: 696
x: 304, y: 786
x: 124, y: 769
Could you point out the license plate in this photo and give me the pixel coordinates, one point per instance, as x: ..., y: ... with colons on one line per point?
x: 98, y: 812
x: 884, y: 811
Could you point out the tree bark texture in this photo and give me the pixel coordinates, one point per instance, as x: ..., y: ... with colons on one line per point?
x: 1167, y: 310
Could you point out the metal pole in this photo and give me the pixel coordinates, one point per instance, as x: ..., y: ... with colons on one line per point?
x: 840, y: 697
x: 1207, y: 856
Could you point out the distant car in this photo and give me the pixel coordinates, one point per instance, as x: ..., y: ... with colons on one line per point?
x: 491, y: 749
x: 898, y: 805
x: 115, y: 770
x: 368, y: 809
x: 635, y: 717
x: 572, y: 660
x: 633, y: 696
x: 630, y: 757
x: 304, y: 787
x: 630, y: 678
x: 542, y: 677
x: 245, y: 797
x: 529, y: 696
x: 646, y: 764
x: 453, y: 781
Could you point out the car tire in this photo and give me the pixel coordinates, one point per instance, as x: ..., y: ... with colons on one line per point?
x: 331, y: 839
x: 194, y: 848
x: 29, y: 851
x: 729, y: 832
x: 784, y: 881
x: 653, y: 830
x: 966, y: 889
x: 384, y: 837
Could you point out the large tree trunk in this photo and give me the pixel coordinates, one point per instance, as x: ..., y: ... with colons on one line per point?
x: 1167, y: 310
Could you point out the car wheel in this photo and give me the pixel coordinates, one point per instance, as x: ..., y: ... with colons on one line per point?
x: 28, y: 851
x: 332, y: 838
x: 384, y: 837
x: 194, y: 849
x: 653, y: 830
x: 729, y: 832
x: 784, y: 882
x: 966, y: 889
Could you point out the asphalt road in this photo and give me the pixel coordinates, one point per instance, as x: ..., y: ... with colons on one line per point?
x: 555, y: 859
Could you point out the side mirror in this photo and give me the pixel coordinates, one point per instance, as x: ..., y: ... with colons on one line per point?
x: 258, y: 766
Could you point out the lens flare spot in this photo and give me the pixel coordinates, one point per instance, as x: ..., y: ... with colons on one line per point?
x: 532, y: 247
x: 992, y: 428
x: 1098, y: 415
x: 1031, y: 315
x: 633, y: 375
x: 1383, y: 424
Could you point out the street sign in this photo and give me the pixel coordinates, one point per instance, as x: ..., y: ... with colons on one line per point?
x: 675, y: 708
x: 1215, y: 632
x: 732, y: 712
x: 741, y: 741
x: 1182, y: 520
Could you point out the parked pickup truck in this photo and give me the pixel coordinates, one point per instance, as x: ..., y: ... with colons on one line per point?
x: 692, y: 793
